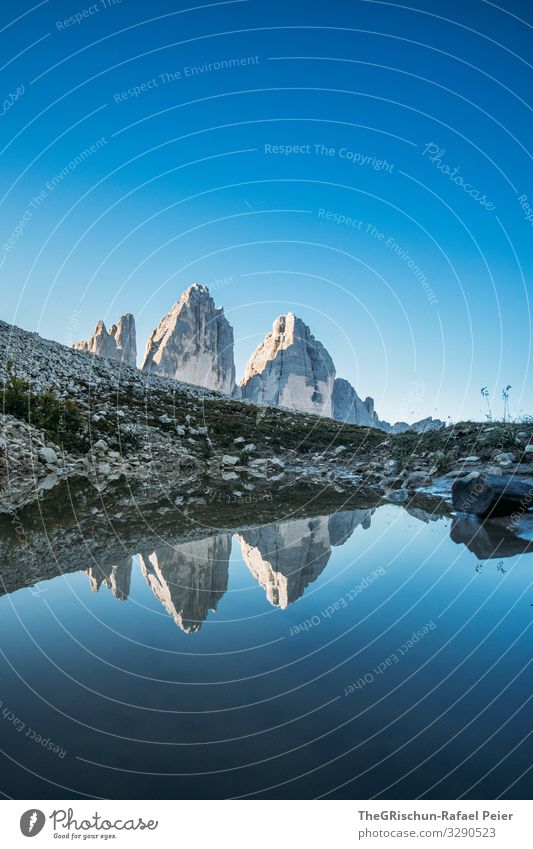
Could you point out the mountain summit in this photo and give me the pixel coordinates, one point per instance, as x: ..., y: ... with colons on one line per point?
x: 117, y: 343
x: 194, y: 343
x: 290, y: 368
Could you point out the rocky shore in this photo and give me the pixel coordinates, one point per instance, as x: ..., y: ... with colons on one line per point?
x: 71, y: 416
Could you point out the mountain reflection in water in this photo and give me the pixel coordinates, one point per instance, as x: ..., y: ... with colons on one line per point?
x: 190, y: 578
x: 354, y: 651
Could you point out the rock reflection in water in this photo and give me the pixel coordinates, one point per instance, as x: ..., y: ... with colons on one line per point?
x: 189, y: 579
x: 287, y: 556
x: 493, y: 537
x: 116, y: 577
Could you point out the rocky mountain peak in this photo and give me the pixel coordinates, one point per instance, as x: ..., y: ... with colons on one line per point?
x: 348, y: 407
x: 290, y: 368
x: 119, y: 343
x: 194, y: 343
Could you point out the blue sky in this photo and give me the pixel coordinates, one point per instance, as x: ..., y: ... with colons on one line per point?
x: 290, y: 156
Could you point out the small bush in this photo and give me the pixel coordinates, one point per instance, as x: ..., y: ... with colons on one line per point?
x: 61, y: 419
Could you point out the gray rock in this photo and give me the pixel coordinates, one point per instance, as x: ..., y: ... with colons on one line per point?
x: 338, y: 450
x: 258, y: 463
x: 48, y: 456
x: 422, y: 426
x: 391, y: 467
x: 125, y: 338
x: 506, y: 458
x: 398, y: 496
x: 427, y: 424
x: 228, y: 475
x: 417, y: 479
x: 49, y: 482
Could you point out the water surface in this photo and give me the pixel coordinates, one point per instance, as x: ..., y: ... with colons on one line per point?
x: 367, y: 653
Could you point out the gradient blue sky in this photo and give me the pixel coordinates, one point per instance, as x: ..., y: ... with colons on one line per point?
x: 182, y: 190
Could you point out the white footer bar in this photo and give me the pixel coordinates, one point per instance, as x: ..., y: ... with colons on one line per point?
x: 262, y: 824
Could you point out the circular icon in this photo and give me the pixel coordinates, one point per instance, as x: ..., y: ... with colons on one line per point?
x: 32, y: 822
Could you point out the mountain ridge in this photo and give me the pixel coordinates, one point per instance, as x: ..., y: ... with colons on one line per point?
x: 290, y: 368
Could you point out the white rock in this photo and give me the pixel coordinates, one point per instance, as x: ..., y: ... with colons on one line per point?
x: 118, y: 343
x: 259, y: 462
x: 348, y: 407
x: 229, y: 460
x: 290, y: 368
x: 194, y: 343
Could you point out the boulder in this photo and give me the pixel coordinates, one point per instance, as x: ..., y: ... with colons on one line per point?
x: 391, y: 467
x: 490, y: 495
x: 48, y: 456
x: 228, y: 460
x: 416, y: 479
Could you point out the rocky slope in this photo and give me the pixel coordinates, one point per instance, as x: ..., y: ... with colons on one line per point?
x: 117, y: 343
x: 72, y: 416
x: 193, y: 343
x: 290, y: 368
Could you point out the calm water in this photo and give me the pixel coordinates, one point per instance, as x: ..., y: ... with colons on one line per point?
x: 277, y: 661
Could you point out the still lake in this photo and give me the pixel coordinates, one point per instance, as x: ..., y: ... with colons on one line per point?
x: 363, y: 654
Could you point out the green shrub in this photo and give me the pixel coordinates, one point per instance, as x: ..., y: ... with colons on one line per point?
x: 61, y: 419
